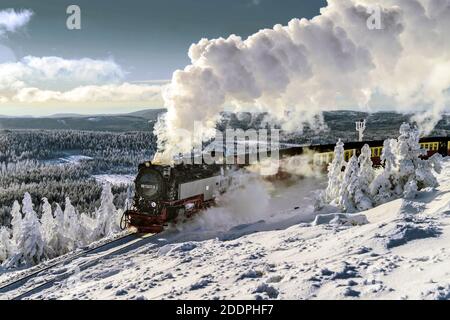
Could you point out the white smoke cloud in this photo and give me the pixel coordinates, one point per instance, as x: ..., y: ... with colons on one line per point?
x: 12, y: 20
x: 330, y: 62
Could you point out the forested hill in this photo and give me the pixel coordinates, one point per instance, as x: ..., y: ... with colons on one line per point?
x: 136, y: 121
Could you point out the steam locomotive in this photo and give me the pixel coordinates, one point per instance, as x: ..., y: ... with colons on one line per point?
x: 167, y: 194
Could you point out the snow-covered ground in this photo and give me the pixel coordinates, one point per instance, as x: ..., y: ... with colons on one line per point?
x: 115, y: 179
x: 403, y: 252
x: 69, y: 159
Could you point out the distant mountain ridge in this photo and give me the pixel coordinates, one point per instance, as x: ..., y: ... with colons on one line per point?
x: 341, y: 124
x: 144, y: 113
x: 142, y: 120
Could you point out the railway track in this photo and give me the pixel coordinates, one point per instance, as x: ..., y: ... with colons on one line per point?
x: 23, y: 287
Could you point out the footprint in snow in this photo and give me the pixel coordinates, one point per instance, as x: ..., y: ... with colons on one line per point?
x: 200, y: 284
x: 270, y: 291
x: 349, y: 292
x: 121, y: 292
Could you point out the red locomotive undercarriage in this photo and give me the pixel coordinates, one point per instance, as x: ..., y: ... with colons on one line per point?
x: 155, y: 223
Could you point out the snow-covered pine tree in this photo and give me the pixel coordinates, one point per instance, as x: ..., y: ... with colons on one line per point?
x: 335, y: 174
x: 408, y: 153
x: 388, y: 156
x: 366, y: 171
x: 349, y: 186
x: 6, y: 246
x: 128, y: 199
x: 383, y: 187
x: 106, y: 215
x: 71, y: 226
x: 30, y: 243
x: 87, y: 228
x: 62, y: 245
x: 414, y: 172
x: 366, y: 176
x: 16, y: 222
x: 49, y: 229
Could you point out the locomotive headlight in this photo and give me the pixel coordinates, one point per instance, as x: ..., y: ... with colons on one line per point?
x: 153, y: 204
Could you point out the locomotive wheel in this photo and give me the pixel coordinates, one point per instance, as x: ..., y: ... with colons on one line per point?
x: 125, y: 221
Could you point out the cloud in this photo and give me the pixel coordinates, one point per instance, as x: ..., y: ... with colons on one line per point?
x: 330, y: 62
x: 40, y: 80
x: 49, y: 80
x: 12, y: 20
x: 58, y: 73
x: 124, y: 92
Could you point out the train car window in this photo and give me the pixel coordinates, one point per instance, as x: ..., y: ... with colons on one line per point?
x: 436, y: 146
x: 376, y: 152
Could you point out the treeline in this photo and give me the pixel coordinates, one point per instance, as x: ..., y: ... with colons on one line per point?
x: 29, y: 163
x: 17, y: 145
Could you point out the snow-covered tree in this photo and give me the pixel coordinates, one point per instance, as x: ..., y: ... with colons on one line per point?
x: 87, y: 228
x: 106, y: 215
x: 71, y: 225
x: 6, y: 246
x: 62, y: 244
x: 335, y: 174
x: 405, y: 172
x: 412, y: 168
x: 366, y: 171
x: 388, y: 157
x: 350, y: 183
x: 30, y: 243
x: 49, y: 229
x: 128, y: 200
x: 385, y: 186
x: 16, y: 221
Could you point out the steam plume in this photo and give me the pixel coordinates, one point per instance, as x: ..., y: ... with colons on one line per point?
x: 330, y: 62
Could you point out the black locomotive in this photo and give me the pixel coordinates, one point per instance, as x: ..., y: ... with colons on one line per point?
x: 168, y: 193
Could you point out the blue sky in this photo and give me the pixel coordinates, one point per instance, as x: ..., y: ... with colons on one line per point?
x: 132, y: 43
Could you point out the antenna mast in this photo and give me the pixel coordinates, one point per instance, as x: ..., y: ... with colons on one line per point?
x: 361, y: 127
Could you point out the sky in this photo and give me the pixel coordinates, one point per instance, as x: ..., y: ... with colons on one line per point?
x: 124, y: 52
